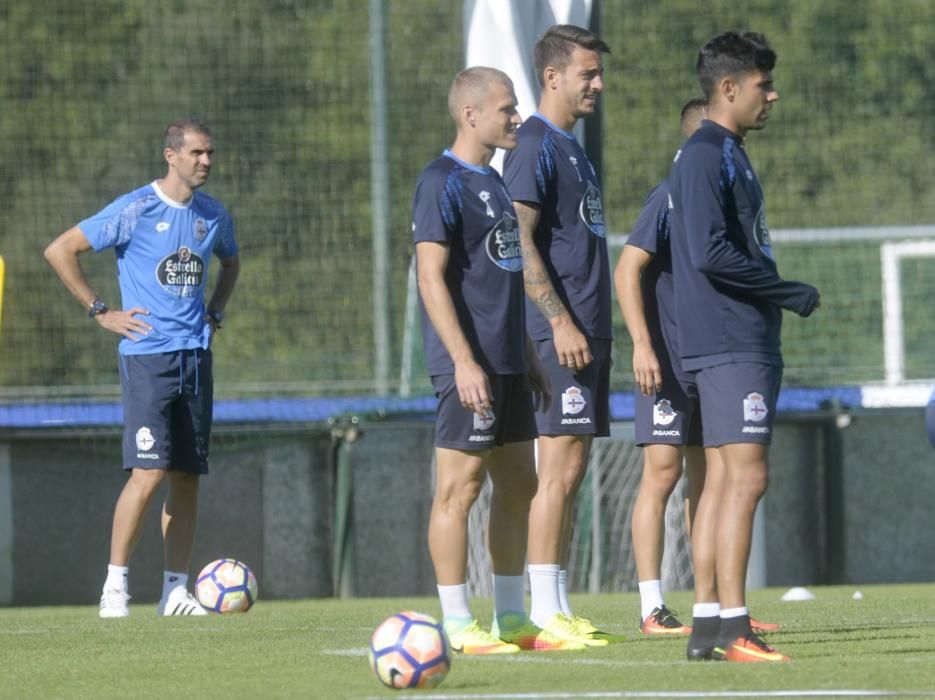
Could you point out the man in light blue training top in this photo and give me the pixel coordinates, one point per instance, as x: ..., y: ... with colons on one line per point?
x: 164, y: 235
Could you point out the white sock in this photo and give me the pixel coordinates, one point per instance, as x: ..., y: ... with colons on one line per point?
x: 172, y: 580
x: 509, y: 595
x: 650, y: 597
x: 563, y: 592
x: 706, y: 610
x: 727, y: 613
x: 454, y: 601
x: 543, y: 585
x: 117, y: 577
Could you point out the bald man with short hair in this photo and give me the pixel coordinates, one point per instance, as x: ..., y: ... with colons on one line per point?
x: 482, y: 366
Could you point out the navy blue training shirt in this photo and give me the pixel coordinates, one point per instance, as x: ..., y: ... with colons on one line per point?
x: 468, y: 208
x: 728, y: 294
x: 550, y: 169
x: 651, y: 233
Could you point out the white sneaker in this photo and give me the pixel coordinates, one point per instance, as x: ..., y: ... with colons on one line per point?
x: 180, y: 602
x: 114, y: 603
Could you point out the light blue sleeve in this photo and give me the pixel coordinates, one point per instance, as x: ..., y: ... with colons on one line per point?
x: 113, y: 225
x: 225, y: 243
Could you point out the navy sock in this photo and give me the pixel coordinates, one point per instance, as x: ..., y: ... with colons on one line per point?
x: 705, y: 631
x: 733, y: 627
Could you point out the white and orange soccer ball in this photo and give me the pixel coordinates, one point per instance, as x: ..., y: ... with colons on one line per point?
x: 226, y: 586
x: 410, y: 650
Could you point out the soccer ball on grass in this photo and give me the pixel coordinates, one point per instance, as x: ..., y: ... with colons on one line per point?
x: 226, y: 586
x: 410, y: 650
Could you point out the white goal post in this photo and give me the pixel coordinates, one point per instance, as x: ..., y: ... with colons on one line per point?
x: 894, y: 348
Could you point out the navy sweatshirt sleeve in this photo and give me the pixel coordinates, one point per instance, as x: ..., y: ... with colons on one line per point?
x: 736, y: 260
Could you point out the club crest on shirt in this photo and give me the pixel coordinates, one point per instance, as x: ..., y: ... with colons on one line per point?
x: 162, y: 226
x: 591, y: 211
x: 503, y: 246
x: 754, y: 408
x: 181, y: 273
x: 484, y: 196
x: 663, y: 413
x: 573, y: 401
x: 201, y: 229
x: 761, y: 233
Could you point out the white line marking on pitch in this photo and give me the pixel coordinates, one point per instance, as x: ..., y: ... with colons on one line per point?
x: 681, y: 694
x: 359, y: 651
x: 518, y: 659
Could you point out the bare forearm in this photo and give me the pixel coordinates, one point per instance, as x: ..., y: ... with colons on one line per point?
x: 536, y: 278
x: 441, y: 312
x: 66, y: 266
x: 630, y: 299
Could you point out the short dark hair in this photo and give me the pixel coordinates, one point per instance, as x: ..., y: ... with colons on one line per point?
x: 732, y: 54
x: 692, y: 107
x: 175, y: 133
x: 556, y: 46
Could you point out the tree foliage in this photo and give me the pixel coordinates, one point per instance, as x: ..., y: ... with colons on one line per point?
x: 88, y: 87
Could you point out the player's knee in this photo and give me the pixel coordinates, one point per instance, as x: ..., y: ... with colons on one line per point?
x: 557, y: 487
x: 752, y: 483
x: 457, y: 499
x: 519, y: 491
x: 146, y: 480
x: 661, y: 478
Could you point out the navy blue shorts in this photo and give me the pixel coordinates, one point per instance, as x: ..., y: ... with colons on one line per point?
x: 668, y: 416
x: 738, y: 402
x: 930, y: 422
x: 580, y: 398
x: 167, y: 409
x: 459, y: 428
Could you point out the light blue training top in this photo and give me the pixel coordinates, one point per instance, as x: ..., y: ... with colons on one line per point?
x: 163, y: 249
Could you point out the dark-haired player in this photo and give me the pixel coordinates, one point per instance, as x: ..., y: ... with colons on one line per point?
x: 164, y: 235
x: 567, y: 274
x: 729, y: 299
x: 667, y: 419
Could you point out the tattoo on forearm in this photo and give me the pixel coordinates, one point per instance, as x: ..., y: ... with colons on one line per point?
x: 550, y: 305
x: 532, y: 277
x: 536, y: 278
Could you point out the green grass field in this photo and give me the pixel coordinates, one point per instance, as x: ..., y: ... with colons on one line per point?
x: 317, y: 649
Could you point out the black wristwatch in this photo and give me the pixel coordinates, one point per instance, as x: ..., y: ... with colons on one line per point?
x: 216, y: 316
x: 98, y: 307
